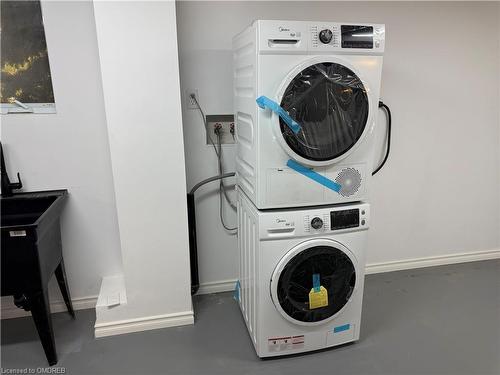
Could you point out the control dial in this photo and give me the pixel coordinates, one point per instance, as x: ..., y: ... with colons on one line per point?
x: 325, y: 36
x: 316, y: 223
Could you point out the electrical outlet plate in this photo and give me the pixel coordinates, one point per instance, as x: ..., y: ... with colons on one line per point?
x: 190, y: 102
x: 224, y: 123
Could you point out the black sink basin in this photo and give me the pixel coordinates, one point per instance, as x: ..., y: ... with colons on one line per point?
x: 24, y: 210
x: 30, y: 238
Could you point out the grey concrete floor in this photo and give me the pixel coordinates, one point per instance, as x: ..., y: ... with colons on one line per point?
x: 439, y: 320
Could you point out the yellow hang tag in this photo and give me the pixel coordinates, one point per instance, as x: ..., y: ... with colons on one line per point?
x: 318, y: 299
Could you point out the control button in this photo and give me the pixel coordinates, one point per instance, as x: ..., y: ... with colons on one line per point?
x: 325, y: 36
x: 363, y: 222
x: 317, y: 223
x: 362, y: 212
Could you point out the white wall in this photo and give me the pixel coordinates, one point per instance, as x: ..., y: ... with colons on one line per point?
x: 70, y: 149
x: 140, y: 74
x: 498, y: 24
x: 439, y: 193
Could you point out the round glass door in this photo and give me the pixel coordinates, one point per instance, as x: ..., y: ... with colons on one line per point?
x: 294, y: 283
x: 330, y: 103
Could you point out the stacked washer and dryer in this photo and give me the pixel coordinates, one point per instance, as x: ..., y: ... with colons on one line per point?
x: 306, y: 100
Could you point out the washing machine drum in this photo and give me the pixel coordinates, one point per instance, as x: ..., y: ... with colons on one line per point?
x: 337, y: 276
x: 330, y: 103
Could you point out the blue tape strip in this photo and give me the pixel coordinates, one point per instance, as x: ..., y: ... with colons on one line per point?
x: 338, y: 329
x: 265, y: 103
x: 316, y: 282
x: 313, y: 175
x: 237, y: 288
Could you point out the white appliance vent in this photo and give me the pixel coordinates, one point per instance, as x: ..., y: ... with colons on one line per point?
x: 349, y: 180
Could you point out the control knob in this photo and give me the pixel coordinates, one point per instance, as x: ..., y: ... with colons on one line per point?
x: 316, y: 223
x: 325, y: 36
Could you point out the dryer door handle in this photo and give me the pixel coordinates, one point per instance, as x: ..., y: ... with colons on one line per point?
x: 265, y: 103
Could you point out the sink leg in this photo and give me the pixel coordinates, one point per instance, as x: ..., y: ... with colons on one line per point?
x: 40, y: 311
x: 63, y: 286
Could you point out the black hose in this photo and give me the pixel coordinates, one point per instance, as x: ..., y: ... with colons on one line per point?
x: 210, y: 179
x: 193, y: 250
x: 389, y: 124
x: 193, y: 247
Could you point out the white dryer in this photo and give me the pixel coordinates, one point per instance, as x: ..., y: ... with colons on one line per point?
x: 325, y: 77
x: 285, y: 255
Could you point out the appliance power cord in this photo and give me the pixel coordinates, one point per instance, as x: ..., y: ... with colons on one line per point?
x: 381, y: 104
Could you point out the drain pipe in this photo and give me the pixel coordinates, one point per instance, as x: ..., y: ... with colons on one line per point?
x: 193, y: 247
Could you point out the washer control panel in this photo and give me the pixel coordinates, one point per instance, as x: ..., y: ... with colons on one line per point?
x: 314, y: 221
x: 341, y: 218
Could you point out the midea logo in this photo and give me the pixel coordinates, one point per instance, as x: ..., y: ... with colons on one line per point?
x: 283, y: 29
x: 280, y: 220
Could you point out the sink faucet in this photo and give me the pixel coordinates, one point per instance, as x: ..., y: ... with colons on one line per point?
x: 8, y: 186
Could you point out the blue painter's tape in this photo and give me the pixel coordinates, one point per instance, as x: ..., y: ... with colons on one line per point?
x: 338, y: 329
x: 313, y: 175
x: 237, y: 288
x: 265, y: 103
x: 316, y: 282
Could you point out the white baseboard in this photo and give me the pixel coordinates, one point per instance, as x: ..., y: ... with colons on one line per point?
x: 10, y: 311
x: 143, y: 324
x: 439, y: 260
x: 407, y: 264
x: 217, y: 286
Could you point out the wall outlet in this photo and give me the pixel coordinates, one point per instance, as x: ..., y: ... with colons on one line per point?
x: 190, y: 102
x: 224, y: 125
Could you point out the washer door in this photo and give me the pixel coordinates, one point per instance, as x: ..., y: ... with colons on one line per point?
x: 331, y: 104
x: 292, y: 280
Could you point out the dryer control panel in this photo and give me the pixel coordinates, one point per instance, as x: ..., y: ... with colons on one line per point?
x: 277, y: 37
x: 347, y: 36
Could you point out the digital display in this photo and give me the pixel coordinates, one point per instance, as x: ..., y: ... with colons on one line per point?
x: 344, y: 219
x: 357, y: 36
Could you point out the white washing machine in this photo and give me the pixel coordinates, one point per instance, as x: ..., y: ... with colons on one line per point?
x: 301, y: 275
x: 318, y: 85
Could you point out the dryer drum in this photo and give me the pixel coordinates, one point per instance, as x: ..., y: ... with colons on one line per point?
x: 337, y: 276
x: 330, y: 103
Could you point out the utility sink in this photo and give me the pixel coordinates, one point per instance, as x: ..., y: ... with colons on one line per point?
x: 31, y: 254
x: 26, y: 209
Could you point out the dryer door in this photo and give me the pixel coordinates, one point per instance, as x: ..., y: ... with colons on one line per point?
x: 292, y: 280
x: 331, y: 104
